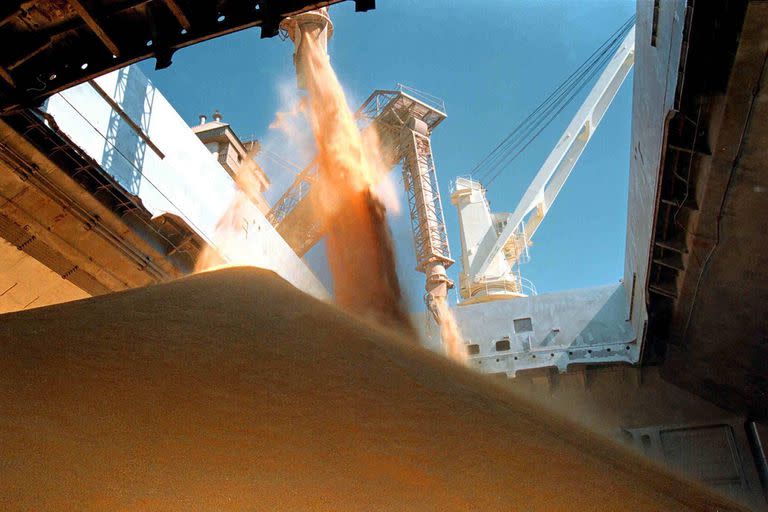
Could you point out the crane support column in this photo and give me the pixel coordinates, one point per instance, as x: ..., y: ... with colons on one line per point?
x: 425, y: 208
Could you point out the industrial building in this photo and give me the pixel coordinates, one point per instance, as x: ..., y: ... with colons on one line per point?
x: 104, y: 187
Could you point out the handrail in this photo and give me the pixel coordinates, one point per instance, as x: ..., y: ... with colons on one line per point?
x: 424, y: 97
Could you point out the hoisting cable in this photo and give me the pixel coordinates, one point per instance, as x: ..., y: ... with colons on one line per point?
x: 510, y: 148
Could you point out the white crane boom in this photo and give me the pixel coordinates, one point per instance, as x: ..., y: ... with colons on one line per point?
x: 557, y: 167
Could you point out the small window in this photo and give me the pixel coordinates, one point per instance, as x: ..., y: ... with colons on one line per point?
x: 523, y: 325
x: 655, y: 26
x: 473, y: 349
x: 502, y: 345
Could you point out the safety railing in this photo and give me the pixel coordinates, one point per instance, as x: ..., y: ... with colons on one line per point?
x: 424, y: 97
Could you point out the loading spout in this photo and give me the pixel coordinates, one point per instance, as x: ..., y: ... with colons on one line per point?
x: 311, y: 24
x: 437, y: 288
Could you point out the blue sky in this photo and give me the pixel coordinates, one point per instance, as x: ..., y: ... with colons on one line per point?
x: 492, y: 62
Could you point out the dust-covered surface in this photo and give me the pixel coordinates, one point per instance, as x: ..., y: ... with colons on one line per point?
x: 231, y: 390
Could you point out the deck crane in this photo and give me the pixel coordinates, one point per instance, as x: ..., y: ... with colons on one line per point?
x: 404, y: 119
x: 493, y: 244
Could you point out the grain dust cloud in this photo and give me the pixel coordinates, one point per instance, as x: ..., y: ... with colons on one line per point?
x: 359, y: 247
x: 454, y: 346
x: 231, y: 248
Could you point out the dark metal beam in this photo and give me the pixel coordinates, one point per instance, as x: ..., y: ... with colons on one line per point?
x: 24, y: 58
x: 95, y: 27
x: 7, y: 76
x: 9, y: 11
x: 178, y: 13
x: 364, y: 5
x: 117, y: 108
x: 55, y: 55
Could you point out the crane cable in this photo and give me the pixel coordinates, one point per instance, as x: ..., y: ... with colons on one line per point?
x: 560, y: 97
x: 543, y: 122
x: 510, y: 148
